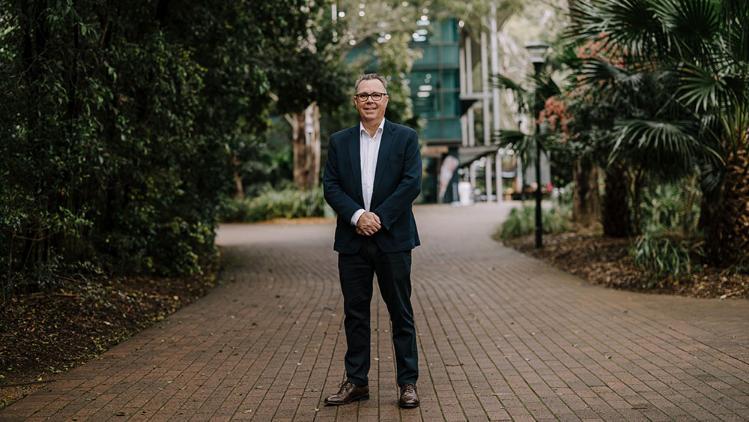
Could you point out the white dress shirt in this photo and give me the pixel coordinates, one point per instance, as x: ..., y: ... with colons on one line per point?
x: 369, y: 149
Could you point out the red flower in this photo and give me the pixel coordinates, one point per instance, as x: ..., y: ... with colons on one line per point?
x: 555, y: 114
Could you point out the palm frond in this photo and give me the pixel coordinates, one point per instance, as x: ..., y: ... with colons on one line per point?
x: 629, y: 24
x: 702, y: 90
x: 510, y: 137
x: 735, y: 21
x: 524, y: 145
x: 691, y: 26
x: 504, y: 82
x: 710, y: 131
x: 666, y: 148
x: 545, y: 86
x: 661, y: 137
x: 597, y: 71
x: 585, y: 22
x: 521, y: 94
x: 734, y: 128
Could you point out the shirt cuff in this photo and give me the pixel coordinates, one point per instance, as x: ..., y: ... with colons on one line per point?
x: 355, y: 217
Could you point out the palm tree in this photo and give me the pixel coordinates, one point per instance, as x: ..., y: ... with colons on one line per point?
x: 613, y: 108
x: 528, y: 101
x: 699, y: 50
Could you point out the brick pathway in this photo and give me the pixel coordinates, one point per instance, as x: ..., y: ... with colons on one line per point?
x: 501, y: 336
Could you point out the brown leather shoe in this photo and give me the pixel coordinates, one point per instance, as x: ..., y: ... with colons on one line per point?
x: 348, y: 393
x: 409, y: 399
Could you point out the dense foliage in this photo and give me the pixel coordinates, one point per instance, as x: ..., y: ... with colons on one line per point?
x: 656, y: 97
x: 122, y: 123
x: 674, y: 74
x: 521, y: 222
x: 270, y: 204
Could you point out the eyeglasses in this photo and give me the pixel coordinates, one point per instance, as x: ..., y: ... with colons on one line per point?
x: 363, y: 96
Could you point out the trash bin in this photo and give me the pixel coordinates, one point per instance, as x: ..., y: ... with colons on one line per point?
x: 464, y: 193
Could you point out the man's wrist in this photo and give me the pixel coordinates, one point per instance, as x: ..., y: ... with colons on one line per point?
x: 356, y: 216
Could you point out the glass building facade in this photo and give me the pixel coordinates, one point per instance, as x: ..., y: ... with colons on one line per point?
x: 435, y: 83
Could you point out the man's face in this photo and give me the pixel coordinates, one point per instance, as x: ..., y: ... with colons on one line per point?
x: 371, y: 111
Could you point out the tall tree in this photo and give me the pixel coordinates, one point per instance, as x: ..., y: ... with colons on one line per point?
x: 308, y: 74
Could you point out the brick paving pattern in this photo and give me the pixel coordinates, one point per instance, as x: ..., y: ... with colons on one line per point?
x: 501, y: 337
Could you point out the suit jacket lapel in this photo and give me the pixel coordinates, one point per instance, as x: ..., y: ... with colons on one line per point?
x: 354, y: 151
x: 382, y: 159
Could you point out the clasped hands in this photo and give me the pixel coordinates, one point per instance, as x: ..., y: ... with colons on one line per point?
x: 368, y: 224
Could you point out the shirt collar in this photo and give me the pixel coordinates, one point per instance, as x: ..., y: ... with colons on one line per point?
x: 379, y: 128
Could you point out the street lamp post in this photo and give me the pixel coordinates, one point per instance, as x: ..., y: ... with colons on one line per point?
x: 537, y: 51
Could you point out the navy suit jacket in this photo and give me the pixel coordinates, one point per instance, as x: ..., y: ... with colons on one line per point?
x: 397, y: 183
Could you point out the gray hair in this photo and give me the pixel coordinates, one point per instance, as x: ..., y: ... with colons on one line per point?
x: 369, y: 77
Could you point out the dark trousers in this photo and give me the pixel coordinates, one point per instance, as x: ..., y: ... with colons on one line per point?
x: 394, y: 278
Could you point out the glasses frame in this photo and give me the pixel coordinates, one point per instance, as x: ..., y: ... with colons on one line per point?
x: 369, y: 95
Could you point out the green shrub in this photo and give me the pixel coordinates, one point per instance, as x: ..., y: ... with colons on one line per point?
x: 668, y: 207
x: 519, y: 223
x: 522, y: 222
x: 287, y: 203
x: 662, y: 255
x: 670, y: 215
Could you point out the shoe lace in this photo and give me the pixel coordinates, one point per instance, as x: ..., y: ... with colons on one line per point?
x: 344, y: 386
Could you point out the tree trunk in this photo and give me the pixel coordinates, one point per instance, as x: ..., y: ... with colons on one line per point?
x: 724, y: 215
x: 238, y: 185
x: 636, y: 179
x: 586, y: 202
x: 616, y: 218
x: 305, y: 129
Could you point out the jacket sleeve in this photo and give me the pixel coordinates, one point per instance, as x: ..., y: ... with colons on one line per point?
x: 339, y: 200
x: 408, y: 188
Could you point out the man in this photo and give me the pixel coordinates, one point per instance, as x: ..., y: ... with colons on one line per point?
x: 372, y: 177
